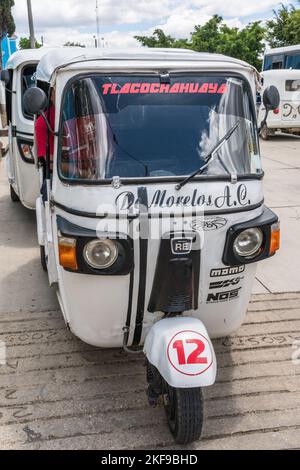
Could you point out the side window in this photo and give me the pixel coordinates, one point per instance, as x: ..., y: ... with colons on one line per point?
x: 268, y: 62
x: 292, y: 85
x: 78, y: 157
x: 27, y: 81
x: 274, y: 62
x: 293, y: 61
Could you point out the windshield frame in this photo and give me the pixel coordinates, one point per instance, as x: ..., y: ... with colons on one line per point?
x: 156, y: 179
x: 35, y: 64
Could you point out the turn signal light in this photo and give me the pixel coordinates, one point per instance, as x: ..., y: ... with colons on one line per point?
x: 67, y: 253
x: 275, y: 238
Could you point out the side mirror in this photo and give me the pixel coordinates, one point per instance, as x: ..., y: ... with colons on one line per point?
x: 5, y: 76
x: 271, y: 101
x: 271, y: 98
x: 34, y: 100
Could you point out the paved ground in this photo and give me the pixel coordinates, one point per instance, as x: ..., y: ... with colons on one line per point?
x: 58, y: 393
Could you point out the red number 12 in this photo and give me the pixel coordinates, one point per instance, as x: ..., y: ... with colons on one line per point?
x: 194, y: 357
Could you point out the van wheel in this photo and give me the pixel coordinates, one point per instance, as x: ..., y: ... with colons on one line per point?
x: 184, y: 410
x: 43, y: 258
x: 264, y: 133
x: 13, y: 195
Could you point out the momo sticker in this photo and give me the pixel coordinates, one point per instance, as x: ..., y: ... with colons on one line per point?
x: 222, y: 272
x: 163, y: 88
x: 190, y: 353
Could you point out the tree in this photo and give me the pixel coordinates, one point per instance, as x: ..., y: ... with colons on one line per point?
x: 284, y: 28
x: 215, y: 36
x: 25, y: 43
x: 73, y: 44
x: 7, y: 24
x: 160, y: 39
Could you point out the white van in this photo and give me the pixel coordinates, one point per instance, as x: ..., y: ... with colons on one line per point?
x: 281, y: 68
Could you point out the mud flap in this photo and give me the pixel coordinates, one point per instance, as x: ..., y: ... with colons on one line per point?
x: 181, y: 350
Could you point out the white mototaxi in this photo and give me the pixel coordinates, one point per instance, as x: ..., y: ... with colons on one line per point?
x: 154, y: 220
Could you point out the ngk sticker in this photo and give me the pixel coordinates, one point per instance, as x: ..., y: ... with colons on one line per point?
x: 190, y: 353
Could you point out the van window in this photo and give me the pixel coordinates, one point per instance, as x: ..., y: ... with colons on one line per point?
x: 274, y: 62
x: 28, y: 80
x: 293, y: 61
x: 292, y: 85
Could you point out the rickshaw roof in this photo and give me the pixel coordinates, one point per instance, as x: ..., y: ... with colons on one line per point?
x: 27, y: 55
x: 88, y: 58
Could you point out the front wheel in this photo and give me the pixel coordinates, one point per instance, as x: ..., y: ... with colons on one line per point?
x: 184, y: 410
x: 13, y: 195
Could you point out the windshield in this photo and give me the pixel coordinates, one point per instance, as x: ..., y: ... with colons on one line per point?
x: 141, y: 127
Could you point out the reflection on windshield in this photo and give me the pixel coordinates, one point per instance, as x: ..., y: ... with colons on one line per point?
x: 139, y: 127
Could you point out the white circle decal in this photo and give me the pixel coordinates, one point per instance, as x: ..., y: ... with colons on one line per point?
x: 190, y: 353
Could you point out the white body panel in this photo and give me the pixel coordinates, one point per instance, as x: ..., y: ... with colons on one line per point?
x: 107, y: 306
x: 179, y: 368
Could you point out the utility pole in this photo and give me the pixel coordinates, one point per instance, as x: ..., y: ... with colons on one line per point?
x: 98, y: 24
x: 30, y: 21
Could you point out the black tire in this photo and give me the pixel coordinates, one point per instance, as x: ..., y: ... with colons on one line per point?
x: 184, y: 409
x: 13, y: 195
x: 264, y: 133
x: 43, y: 258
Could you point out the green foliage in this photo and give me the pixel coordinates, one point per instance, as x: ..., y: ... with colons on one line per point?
x: 246, y: 44
x: 160, y: 39
x: 284, y: 28
x: 73, y: 44
x: 25, y: 43
x: 215, y: 36
x: 7, y: 24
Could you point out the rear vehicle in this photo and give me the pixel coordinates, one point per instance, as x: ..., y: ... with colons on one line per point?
x: 22, y: 174
x: 285, y: 118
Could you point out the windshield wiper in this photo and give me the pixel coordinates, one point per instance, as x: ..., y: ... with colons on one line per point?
x: 209, y: 157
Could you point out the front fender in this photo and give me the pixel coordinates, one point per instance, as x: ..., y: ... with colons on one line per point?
x: 181, y: 350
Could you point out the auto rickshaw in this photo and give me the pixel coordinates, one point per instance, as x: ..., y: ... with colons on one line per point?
x: 22, y: 175
x: 154, y: 219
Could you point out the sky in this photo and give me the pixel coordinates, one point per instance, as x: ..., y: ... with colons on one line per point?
x: 59, y: 21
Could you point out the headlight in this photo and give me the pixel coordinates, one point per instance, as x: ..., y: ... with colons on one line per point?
x: 27, y: 151
x: 248, y: 243
x: 100, y: 254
